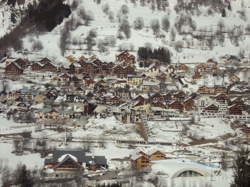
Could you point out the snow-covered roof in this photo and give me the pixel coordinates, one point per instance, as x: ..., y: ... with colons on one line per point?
x: 100, y: 108
x: 60, y: 159
x: 147, y: 83
x: 158, y: 109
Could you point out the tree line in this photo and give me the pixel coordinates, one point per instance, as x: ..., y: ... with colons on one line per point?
x: 162, y: 54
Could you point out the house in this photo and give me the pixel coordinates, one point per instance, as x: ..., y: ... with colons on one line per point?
x: 154, y: 69
x: 158, y: 104
x: 64, y: 163
x: 234, y: 78
x: 219, y: 89
x: 67, y: 163
x: 49, y: 67
x: 205, y: 90
x: 176, y: 105
x: 200, y: 67
x: 112, y: 100
x: 157, y: 97
x: 89, y: 68
x: 221, y: 98
x: 197, y: 76
x: 43, y: 65
x: 13, y: 69
x: 39, y: 98
x: 36, y: 66
x: 89, y: 83
x: 73, y: 98
x: 47, y: 113
x: 188, y: 104
x: 126, y: 58
x: 156, y: 155
x: 75, y: 68
x: 134, y: 79
x: 236, y: 101
x: 182, y: 67
x: 235, y: 110
x: 149, y: 86
x: 140, y: 161
x: 96, y: 162
x: 211, y: 109
x: 123, y: 72
x: 22, y: 63
x: 123, y: 93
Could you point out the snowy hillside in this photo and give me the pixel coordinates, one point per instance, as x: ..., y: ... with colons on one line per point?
x: 196, y: 37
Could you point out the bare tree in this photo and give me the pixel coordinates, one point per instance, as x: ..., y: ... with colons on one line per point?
x: 110, y: 41
x: 178, y: 46
x: 124, y: 10
x: 111, y: 16
x: 87, y: 16
x: 165, y: 23
x: 64, y: 38
x: 102, y: 46
x: 126, y: 47
x: 125, y: 28
x: 74, y: 4
x: 172, y: 34
x: 155, y: 25
x: 37, y: 45
x: 138, y: 23
x: 91, y: 39
x: 106, y: 8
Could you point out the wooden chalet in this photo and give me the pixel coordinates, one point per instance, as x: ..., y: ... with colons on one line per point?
x: 221, y: 98
x: 22, y: 63
x: 49, y: 67
x: 188, y: 104
x: 157, y: 97
x: 182, y: 67
x: 71, y: 162
x: 126, y: 58
x: 75, y: 68
x: 156, y: 155
x: 13, y: 69
x: 158, y: 104
x: 64, y: 163
x: 211, y: 109
x: 197, y: 76
x: 176, y: 105
x: 36, y: 66
x: 140, y: 161
x: 89, y: 68
x: 235, y: 110
x: 205, y: 90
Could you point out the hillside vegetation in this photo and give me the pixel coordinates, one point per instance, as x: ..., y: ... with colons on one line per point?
x: 193, y: 30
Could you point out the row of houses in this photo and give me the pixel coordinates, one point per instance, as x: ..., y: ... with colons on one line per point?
x: 67, y: 163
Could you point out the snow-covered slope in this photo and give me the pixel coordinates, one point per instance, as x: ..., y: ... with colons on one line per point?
x: 193, y: 50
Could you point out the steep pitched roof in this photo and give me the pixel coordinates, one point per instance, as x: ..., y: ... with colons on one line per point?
x: 78, y: 153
